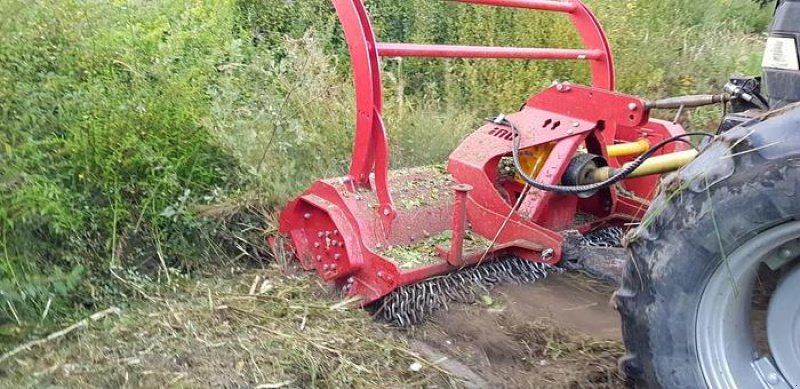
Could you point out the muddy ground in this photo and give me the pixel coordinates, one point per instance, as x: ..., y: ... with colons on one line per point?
x: 558, y: 332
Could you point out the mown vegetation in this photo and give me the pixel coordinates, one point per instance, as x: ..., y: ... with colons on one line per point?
x: 120, y: 119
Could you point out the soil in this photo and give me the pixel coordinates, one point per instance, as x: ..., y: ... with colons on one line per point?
x: 558, y: 332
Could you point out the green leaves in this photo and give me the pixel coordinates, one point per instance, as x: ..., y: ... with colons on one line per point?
x: 101, y: 130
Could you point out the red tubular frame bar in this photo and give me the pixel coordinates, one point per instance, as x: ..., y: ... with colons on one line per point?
x: 370, y: 148
x: 445, y: 51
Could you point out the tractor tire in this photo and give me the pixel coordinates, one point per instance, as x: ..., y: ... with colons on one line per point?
x: 705, y: 222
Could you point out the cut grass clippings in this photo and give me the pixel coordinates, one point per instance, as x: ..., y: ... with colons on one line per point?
x: 245, y: 329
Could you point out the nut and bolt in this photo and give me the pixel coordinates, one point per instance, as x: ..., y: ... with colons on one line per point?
x: 548, y: 253
x: 786, y: 253
x: 633, y: 106
x: 773, y: 378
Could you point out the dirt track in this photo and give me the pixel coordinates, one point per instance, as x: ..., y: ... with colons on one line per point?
x: 559, y: 332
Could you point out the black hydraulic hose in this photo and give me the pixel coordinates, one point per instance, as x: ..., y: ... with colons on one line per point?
x: 617, y: 177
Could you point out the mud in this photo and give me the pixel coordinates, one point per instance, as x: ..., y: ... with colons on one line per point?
x: 560, y: 332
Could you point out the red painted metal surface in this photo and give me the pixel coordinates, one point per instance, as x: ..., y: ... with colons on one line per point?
x: 347, y: 228
x: 456, y: 255
x: 446, y: 51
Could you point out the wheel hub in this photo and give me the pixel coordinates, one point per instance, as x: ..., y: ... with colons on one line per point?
x: 783, y: 326
x: 726, y: 346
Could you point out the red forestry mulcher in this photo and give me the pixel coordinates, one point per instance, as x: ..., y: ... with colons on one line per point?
x: 557, y: 184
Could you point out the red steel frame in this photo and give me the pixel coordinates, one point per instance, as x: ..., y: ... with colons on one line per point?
x: 371, y: 150
x: 341, y: 227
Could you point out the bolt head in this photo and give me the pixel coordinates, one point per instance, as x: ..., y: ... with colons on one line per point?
x: 350, y: 280
x: 306, y: 216
x: 576, y: 124
x: 773, y: 379
x: 386, y: 212
x: 380, y: 274
x: 786, y: 253
x: 462, y: 187
x: 570, y: 132
x: 320, y: 234
x: 319, y: 258
x: 633, y: 106
x: 316, y: 245
x: 333, y: 267
x: 548, y: 253
x: 337, y: 256
x: 325, y: 267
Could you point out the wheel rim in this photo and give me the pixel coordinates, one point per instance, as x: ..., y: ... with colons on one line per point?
x: 725, y: 341
x: 784, y: 319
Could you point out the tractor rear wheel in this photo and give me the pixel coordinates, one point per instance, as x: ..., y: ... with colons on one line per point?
x: 711, y: 296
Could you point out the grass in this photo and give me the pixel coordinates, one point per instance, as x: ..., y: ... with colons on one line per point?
x: 239, y: 328
x: 425, y: 253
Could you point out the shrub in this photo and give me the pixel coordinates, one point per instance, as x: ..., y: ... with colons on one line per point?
x: 103, y: 146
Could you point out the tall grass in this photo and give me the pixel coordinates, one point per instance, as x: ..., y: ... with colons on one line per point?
x: 103, y: 144
x: 118, y: 118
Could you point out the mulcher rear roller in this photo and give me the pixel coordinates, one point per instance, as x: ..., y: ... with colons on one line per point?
x: 411, y: 304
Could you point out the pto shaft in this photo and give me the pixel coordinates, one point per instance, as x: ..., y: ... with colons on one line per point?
x: 656, y: 165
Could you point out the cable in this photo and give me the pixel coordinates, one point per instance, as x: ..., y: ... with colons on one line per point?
x: 618, y: 176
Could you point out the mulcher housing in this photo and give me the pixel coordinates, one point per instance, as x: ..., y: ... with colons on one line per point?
x: 350, y: 229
